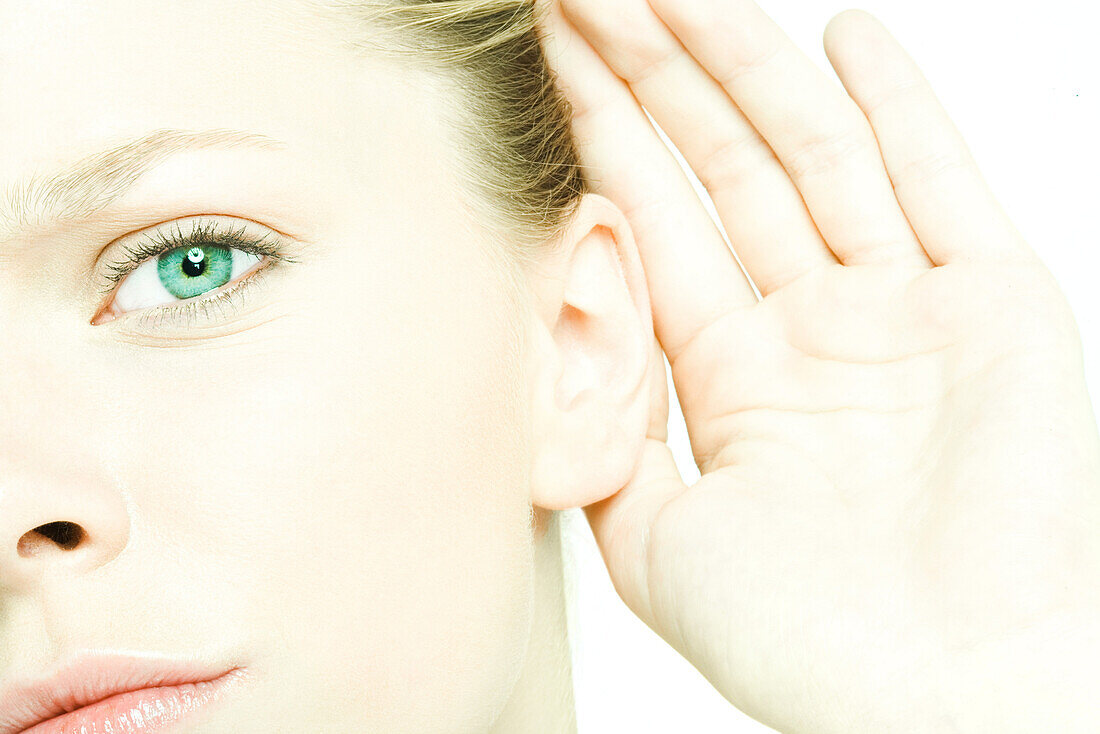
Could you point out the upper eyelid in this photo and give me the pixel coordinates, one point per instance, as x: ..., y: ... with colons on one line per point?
x: 270, y: 244
x: 128, y: 263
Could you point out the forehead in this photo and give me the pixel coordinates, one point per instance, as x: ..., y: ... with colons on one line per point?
x: 73, y: 74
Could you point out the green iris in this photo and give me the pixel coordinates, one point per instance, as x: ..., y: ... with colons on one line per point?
x: 186, y: 272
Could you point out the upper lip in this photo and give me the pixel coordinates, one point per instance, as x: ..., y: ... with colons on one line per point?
x: 91, y: 677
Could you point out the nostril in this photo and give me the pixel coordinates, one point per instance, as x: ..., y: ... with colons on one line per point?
x: 67, y: 535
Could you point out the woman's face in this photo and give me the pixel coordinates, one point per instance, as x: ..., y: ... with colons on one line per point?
x: 322, y: 477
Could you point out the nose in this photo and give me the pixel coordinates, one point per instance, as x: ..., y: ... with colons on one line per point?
x: 55, y: 523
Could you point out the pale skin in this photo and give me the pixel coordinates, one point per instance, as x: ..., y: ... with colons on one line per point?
x: 344, y: 483
x: 895, y: 526
x: 324, y: 484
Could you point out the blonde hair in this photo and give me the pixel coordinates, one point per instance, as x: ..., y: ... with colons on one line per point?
x: 519, y: 159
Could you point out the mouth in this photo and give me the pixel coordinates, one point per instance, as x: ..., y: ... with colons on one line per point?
x: 104, y: 694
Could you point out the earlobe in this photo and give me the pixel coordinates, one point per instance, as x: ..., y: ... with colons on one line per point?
x: 594, y: 352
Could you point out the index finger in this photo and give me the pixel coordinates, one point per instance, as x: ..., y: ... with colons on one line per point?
x: 694, y: 278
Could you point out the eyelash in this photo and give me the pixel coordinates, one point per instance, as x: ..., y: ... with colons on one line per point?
x: 188, y: 310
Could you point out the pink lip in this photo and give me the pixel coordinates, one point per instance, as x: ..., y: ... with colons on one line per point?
x: 99, y: 693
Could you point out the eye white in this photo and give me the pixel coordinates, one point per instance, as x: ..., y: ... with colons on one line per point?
x: 142, y: 287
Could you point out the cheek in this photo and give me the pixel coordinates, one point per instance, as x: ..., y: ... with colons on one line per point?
x: 405, y: 567
x: 358, y: 500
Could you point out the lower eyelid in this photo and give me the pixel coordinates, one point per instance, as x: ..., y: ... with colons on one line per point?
x: 187, y: 308
x: 186, y: 313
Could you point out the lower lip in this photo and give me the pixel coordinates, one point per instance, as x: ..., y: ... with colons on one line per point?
x: 144, y: 710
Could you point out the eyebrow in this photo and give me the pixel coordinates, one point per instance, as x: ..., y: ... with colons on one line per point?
x: 94, y: 181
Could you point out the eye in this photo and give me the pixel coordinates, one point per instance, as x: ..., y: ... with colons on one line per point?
x: 171, y: 270
x: 180, y: 273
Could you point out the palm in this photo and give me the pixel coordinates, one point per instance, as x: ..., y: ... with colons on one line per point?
x: 850, y: 374
x: 895, y: 442
x: 886, y: 434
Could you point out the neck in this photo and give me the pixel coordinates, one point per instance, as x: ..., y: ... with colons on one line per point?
x: 542, y: 700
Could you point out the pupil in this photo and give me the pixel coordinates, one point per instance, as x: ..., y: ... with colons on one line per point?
x: 195, y: 262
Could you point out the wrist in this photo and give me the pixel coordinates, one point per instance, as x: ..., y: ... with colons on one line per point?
x: 1041, y: 678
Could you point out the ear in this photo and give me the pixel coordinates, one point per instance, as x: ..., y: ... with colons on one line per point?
x: 594, y: 348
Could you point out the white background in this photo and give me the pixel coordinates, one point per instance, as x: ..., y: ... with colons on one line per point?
x: 1021, y: 82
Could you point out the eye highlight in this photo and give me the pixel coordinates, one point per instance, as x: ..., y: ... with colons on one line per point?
x: 167, y: 273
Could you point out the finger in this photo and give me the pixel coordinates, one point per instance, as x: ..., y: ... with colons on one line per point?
x: 693, y: 276
x: 761, y: 210
x: 816, y: 130
x: 935, y: 178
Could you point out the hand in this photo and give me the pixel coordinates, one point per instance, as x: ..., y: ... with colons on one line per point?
x: 896, y: 527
